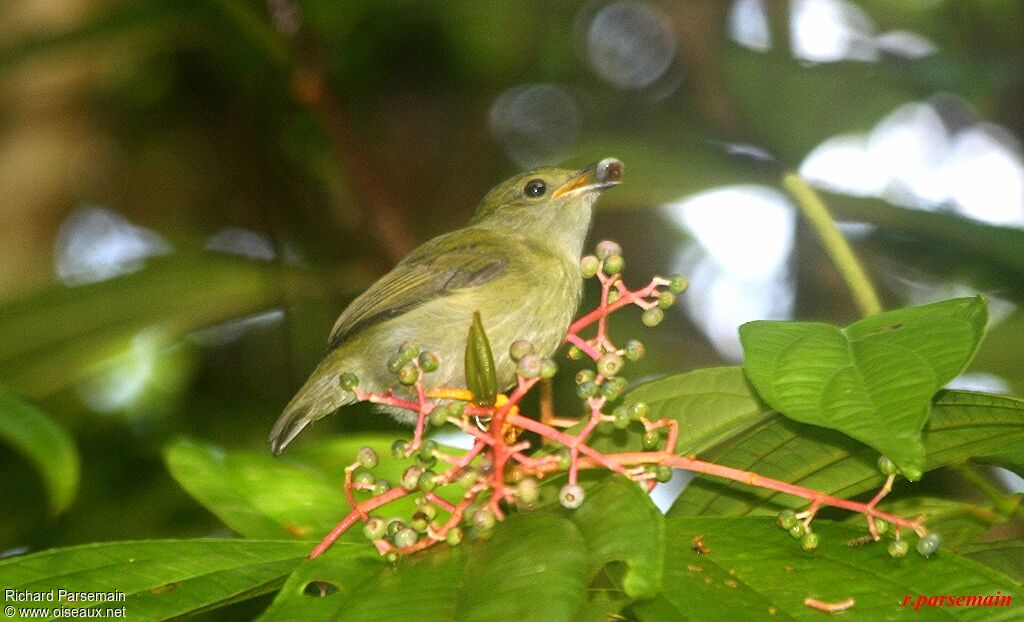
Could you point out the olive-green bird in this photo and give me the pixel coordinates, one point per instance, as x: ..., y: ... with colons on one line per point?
x: 517, y: 263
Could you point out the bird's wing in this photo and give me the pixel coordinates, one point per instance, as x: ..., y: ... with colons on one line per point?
x: 436, y: 269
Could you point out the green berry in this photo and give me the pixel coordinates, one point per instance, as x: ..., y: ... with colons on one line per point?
x: 652, y: 317
x: 929, y: 544
x: 411, y: 477
x: 408, y: 374
x: 349, y: 381
x: 395, y: 363
x: 439, y: 416
x: 571, y: 496
x: 419, y: 522
x: 585, y: 375
x: 589, y: 265
x: 429, y: 362
x: 427, y: 449
x: 428, y: 509
x: 427, y: 481
x: 886, y: 465
x: 609, y: 364
x: 666, y: 300
x: 614, y: 264
x: 394, y: 526
x: 786, y: 519
x: 375, y: 528
x: 453, y: 537
x: 367, y: 457
x: 663, y: 474
x: 898, y: 548
x: 613, y: 388
x: 606, y: 249
x: 587, y: 390
x: 410, y: 349
x: 798, y: 530
x: 650, y: 440
x: 638, y: 410
x: 529, y: 366
x: 392, y: 557
x: 634, y: 350
x: 364, y: 478
x: 528, y: 491
x: 809, y: 541
x: 620, y: 418
x: 405, y: 537
x: 613, y: 295
x: 399, y: 447
x: 677, y: 284
x: 575, y: 353
x: 564, y: 458
x: 881, y: 526
x: 521, y: 348
x: 548, y: 368
x: 381, y: 486
x: 468, y: 478
x: 483, y: 520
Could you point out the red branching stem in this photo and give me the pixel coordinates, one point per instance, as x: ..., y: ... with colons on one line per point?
x: 359, y: 510
x: 883, y: 491
x: 348, y: 491
x: 626, y: 297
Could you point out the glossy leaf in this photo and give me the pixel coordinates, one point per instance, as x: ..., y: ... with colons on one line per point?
x: 752, y: 570
x: 160, y: 578
x: 46, y: 444
x: 873, y: 380
x: 963, y: 424
x: 1006, y: 556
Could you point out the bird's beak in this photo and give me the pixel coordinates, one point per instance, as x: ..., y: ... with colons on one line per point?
x: 604, y: 174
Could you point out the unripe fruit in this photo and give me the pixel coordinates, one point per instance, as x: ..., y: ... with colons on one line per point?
x: 367, y: 457
x: 405, y: 537
x: 429, y: 362
x: 614, y: 264
x: 809, y: 541
x: 929, y: 544
x: 652, y: 317
x: 634, y: 350
x: 607, y: 248
x: 375, y: 528
x: 521, y: 348
x: 571, y: 496
x: 589, y: 265
x: 348, y: 381
x: 610, y: 364
x: 898, y: 548
x: 677, y: 284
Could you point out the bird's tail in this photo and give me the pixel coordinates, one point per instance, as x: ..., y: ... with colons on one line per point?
x: 319, y: 397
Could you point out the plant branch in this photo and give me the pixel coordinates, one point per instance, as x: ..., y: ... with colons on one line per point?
x: 838, y: 248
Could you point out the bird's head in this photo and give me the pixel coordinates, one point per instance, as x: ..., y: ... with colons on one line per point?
x: 548, y: 204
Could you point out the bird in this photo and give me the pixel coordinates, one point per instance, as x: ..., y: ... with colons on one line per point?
x: 516, y: 264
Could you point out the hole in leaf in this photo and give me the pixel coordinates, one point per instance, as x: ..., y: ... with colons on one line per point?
x: 319, y: 589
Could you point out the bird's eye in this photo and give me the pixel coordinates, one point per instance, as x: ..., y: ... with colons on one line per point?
x: 535, y: 188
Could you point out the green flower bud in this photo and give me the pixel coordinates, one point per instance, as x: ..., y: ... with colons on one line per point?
x: 529, y: 366
x: 614, y: 264
x: 652, y: 317
x: 571, y: 496
x: 607, y: 248
x: 399, y: 447
x: 367, y: 457
x: 610, y: 364
x: 638, y: 410
x: 650, y: 440
x: 589, y: 265
x: 548, y: 368
x: 634, y: 350
x: 405, y: 537
x: 453, y: 537
x: 411, y: 477
x: 380, y: 487
x: 899, y: 548
x: 429, y: 362
x: 348, y: 381
x: 786, y: 519
x: 375, y: 529
x: 408, y: 374
x: 809, y: 541
x: 575, y: 353
x: 521, y: 348
x: 886, y: 465
x: 620, y: 418
x: 929, y: 544
x: 483, y: 520
x: 528, y: 491
x: 585, y: 375
x: 586, y: 390
x: 666, y: 300
x: 677, y: 284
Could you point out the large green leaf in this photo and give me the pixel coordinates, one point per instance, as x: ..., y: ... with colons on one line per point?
x: 533, y: 568
x: 1006, y: 556
x: 963, y: 424
x: 872, y: 380
x: 754, y: 571
x: 48, y: 445
x: 160, y: 579
x: 53, y: 338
